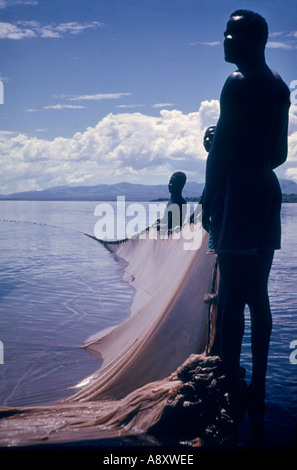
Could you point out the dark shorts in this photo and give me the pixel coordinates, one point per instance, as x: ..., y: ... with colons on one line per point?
x: 245, y: 213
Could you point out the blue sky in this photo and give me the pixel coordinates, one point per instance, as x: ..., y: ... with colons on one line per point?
x: 103, y: 91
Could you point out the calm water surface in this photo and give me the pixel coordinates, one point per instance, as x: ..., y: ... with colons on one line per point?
x: 281, y: 373
x: 58, y: 287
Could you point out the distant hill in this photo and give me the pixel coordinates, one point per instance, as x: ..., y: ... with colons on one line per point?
x: 104, y: 192
x: 288, y: 187
x: 132, y: 192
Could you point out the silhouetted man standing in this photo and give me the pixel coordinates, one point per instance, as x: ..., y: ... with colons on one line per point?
x: 175, y: 186
x: 243, y: 197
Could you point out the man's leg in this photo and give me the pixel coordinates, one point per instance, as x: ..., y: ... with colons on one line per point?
x: 261, y: 322
x: 232, y: 301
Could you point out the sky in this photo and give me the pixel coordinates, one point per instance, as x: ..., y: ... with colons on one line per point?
x: 105, y: 91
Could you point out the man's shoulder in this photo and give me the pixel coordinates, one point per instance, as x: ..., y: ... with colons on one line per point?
x: 235, y: 80
x: 277, y: 77
x: 235, y: 77
x: 233, y: 84
x: 282, y: 86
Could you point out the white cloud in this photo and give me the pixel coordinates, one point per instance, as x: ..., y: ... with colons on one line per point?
x: 3, y: 3
x: 10, y: 31
x: 276, y: 33
x: 291, y: 174
x: 4, y: 79
x: 293, y: 119
x: 120, y: 147
x: 284, y: 43
x: 33, y: 29
x: 62, y: 106
x: 293, y: 34
x: 76, y: 28
x: 279, y: 40
x: 47, y: 32
x: 292, y: 149
x: 271, y: 44
x: 129, y: 106
x: 123, y: 146
x: 281, y: 45
x: 98, y: 96
x: 106, y: 96
x: 211, y: 43
x: 163, y: 105
x: 205, y: 43
x: 289, y: 168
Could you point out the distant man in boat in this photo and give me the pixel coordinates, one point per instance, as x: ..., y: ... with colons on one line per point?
x: 242, y: 199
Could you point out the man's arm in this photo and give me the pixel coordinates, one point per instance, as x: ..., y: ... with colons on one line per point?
x: 280, y: 148
x: 280, y: 153
x: 222, y: 146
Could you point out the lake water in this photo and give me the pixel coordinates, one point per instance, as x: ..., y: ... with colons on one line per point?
x: 58, y: 287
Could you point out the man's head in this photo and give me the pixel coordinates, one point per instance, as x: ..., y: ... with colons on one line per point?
x: 245, y: 36
x: 177, y: 182
x: 208, y: 137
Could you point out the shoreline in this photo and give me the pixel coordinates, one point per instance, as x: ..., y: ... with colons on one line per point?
x: 286, y: 198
